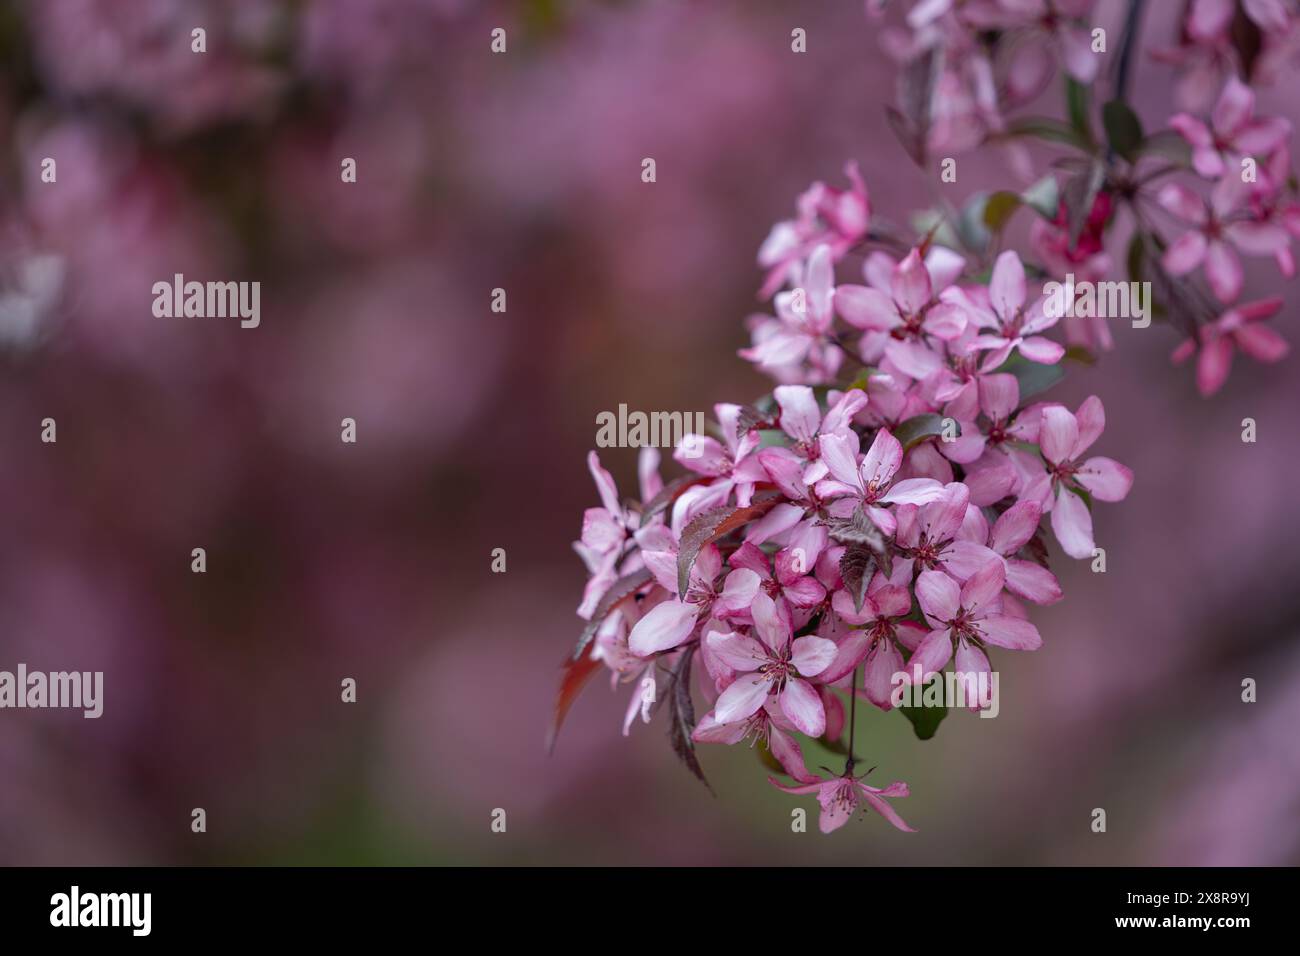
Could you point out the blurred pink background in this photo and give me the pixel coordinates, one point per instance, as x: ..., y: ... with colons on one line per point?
x: 372, y: 560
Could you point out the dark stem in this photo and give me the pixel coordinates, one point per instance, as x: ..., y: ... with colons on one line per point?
x: 1127, y: 45
x: 853, y: 721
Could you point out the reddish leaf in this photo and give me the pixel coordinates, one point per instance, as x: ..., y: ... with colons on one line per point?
x: 681, y: 722
x: 575, y: 676
x: 668, y: 494
x: 708, y: 527
x: 627, y: 584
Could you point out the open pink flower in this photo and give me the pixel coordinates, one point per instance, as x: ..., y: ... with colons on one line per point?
x: 1233, y: 132
x: 1014, y: 527
x: 768, y: 726
x: 1240, y: 327
x: 1006, y: 324
x: 801, y: 418
x: 670, y: 623
x: 772, y: 664
x: 965, y: 620
x: 906, y: 311
x: 880, y: 636
x: 1063, y: 438
x: 1222, y: 227
x: 803, y: 319
x: 836, y: 218
x: 870, y: 483
x: 840, y: 798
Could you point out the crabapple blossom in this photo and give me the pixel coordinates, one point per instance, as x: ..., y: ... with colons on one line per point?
x: 1239, y: 328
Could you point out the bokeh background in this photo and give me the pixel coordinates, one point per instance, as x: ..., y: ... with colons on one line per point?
x: 372, y: 560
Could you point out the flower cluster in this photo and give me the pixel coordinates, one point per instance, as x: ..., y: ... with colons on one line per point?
x: 1210, y: 186
x: 882, y: 513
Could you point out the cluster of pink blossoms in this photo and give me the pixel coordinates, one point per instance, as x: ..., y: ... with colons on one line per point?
x: 882, y: 513
x: 966, y: 67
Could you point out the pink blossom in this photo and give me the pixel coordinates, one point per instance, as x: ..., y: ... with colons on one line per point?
x: 772, y: 664
x: 1221, y: 228
x: 1063, y: 438
x: 1239, y: 327
x: 835, y: 218
x: 965, y: 620
x: 840, y: 798
x: 1234, y: 131
x: 880, y: 637
x: 870, y: 482
x: 1008, y: 326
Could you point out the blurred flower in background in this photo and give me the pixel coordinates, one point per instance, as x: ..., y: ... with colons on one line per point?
x: 326, y: 560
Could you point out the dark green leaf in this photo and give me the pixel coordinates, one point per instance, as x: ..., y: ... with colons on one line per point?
x: 999, y: 208
x: 1033, y: 377
x: 1123, y: 128
x: 1046, y: 129
x: 919, y: 428
x: 925, y: 720
x: 1076, y: 103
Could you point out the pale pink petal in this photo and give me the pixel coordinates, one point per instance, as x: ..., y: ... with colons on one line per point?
x: 1013, y: 633
x: 969, y: 664
x: 848, y: 655
x: 1212, y: 364
x: 1183, y: 203
x: 1016, y: 526
x: 1007, y: 287
x: 604, y: 484
x: 1235, y: 106
x: 1091, y: 419
x: 770, y: 622
x: 803, y: 706
x: 884, y: 662
x: 840, y: 453
x: 739, y: 590
x: 742, y: 698
x: 910, y: 285
x: 885, y: 810
x: 800, y: 416
x: 999, y: 395
x: 1058, y: 433
x: 1072, y: 524
x: 939, y: 596
x: 1033, y: 582
x: 1223, y: 270
x: 913, y: 491
x: 787, y: 753
x: 1261, y: 343
x: 811, y: 655
x: 1185, y: 253
x: 666, y: 625
x: 1106, y: 478
x: 1041, y: 350
x: 882, y: 459
x: 931, y: 656
x: 866, y: 308
x: 984, y: 586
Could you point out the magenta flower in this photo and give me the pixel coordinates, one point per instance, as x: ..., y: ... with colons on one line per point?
x: 1008, y: 326
x: 1062, y: 439
x: 1241, y: 328
x: 1234, y: 132
x: 1009, y: 534
x: 880, y: 636
x: 792, y: 579
x: 1221, y: 228
x: 840, y: 798
x: 772, y: 664
x: 870, y: 483
x: 908, y: 312
x: 671, y: 622
x: 803, y: 319
x: 929, y: 537
x: 965, y: 620
x: 768, y: 726
x: 835, y: 218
